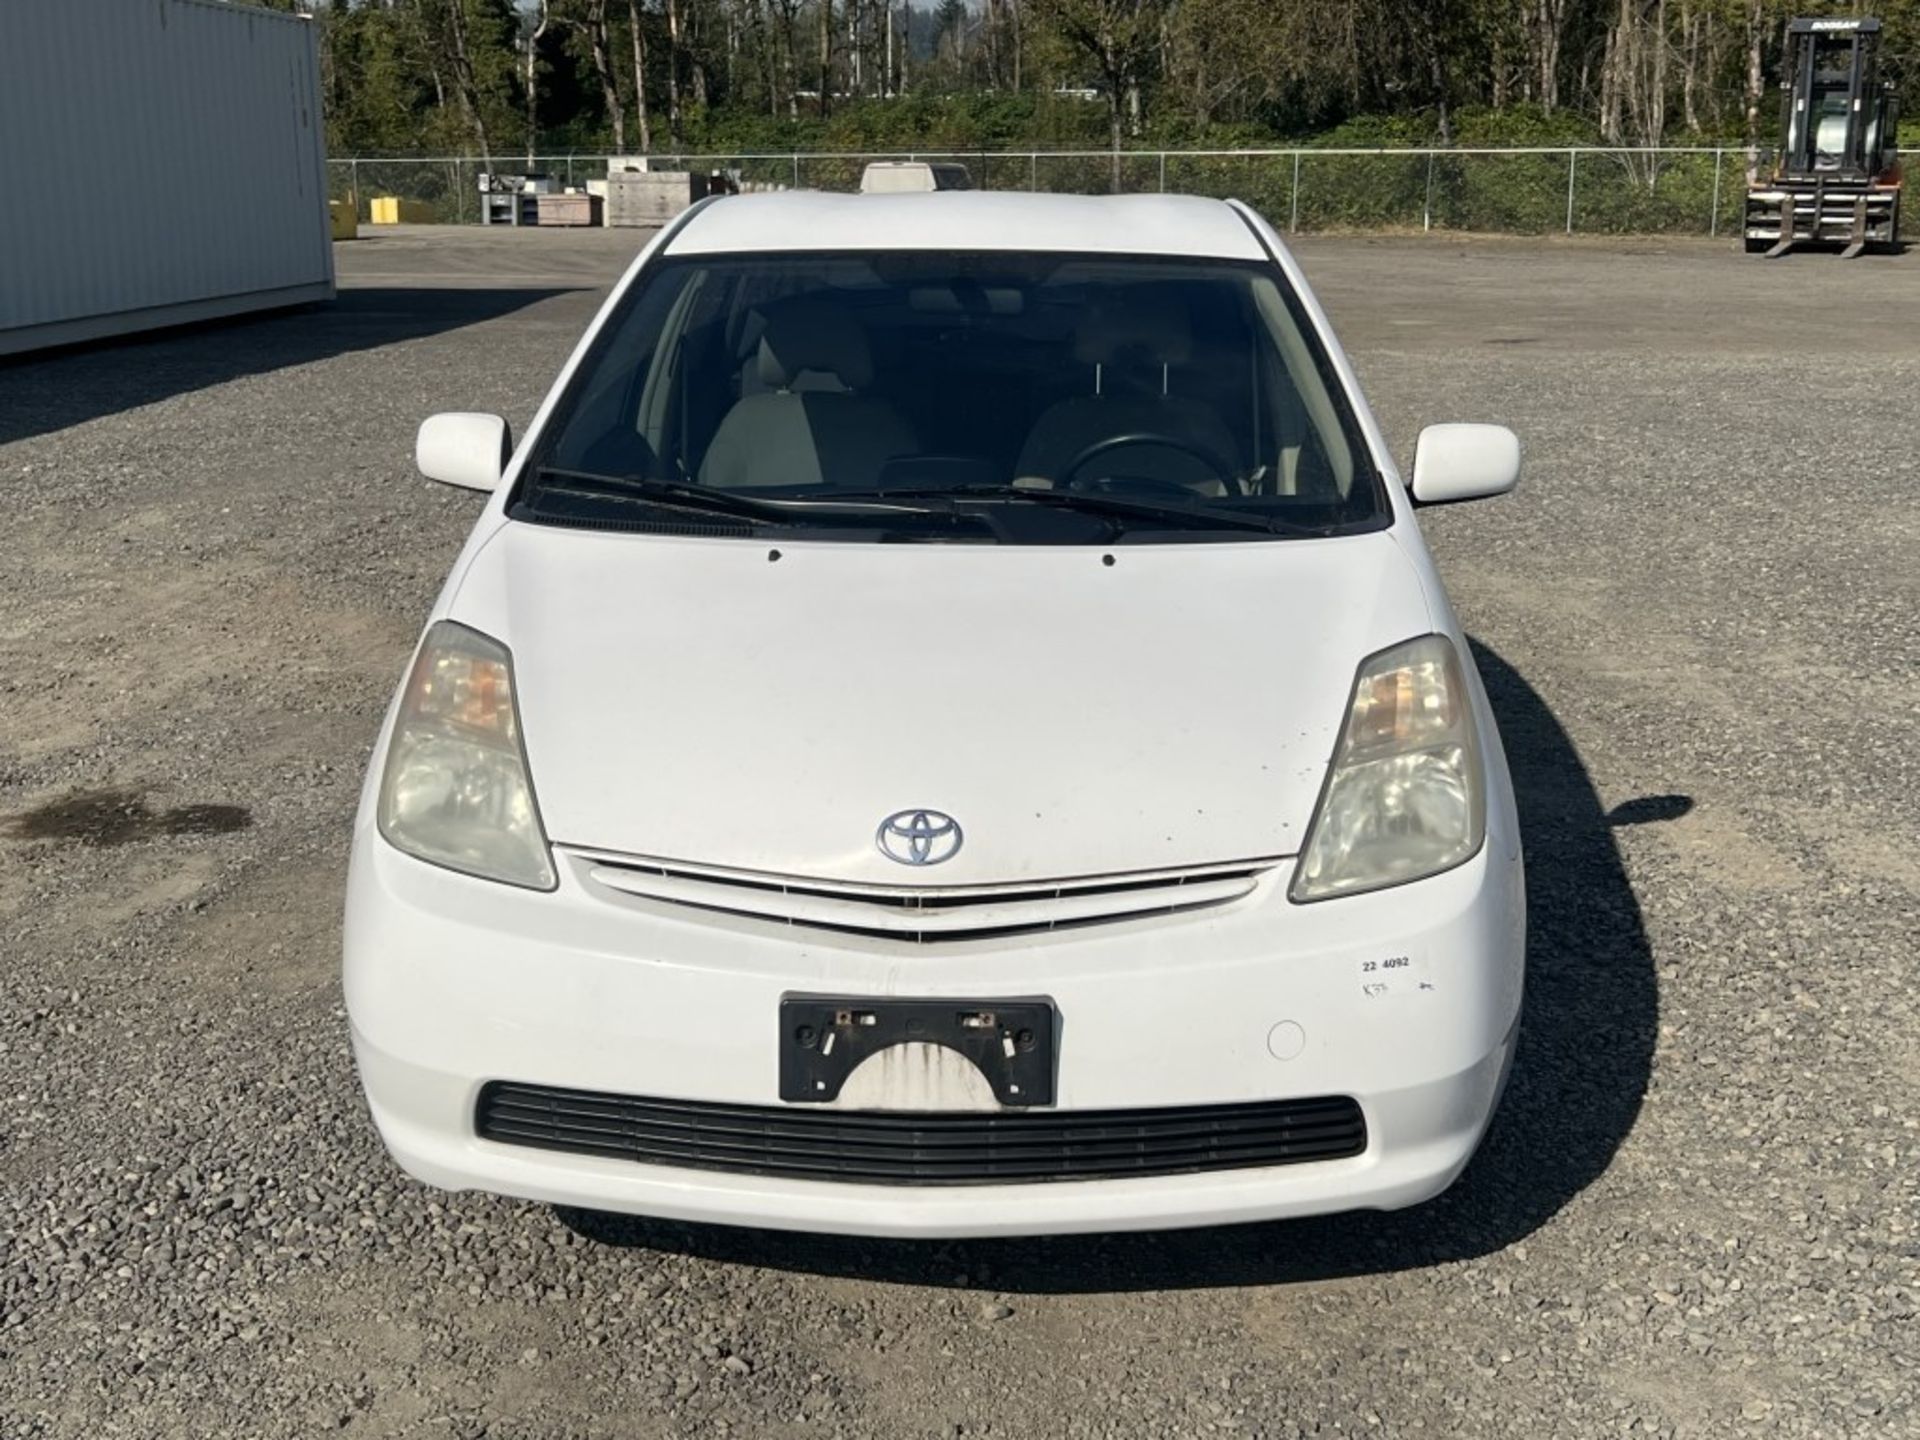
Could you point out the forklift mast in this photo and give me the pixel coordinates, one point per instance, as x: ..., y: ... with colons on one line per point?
x: 1840, y: 119
x: 1837, y: 177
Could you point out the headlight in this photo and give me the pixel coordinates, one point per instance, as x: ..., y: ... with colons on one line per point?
x: 456, y: 790
x: 1404, y: 797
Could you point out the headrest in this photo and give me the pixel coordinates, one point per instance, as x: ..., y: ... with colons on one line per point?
x: 1155, y: 327
x: 813, y: 336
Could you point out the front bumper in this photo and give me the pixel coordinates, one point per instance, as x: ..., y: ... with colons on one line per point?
x: 452, y: 982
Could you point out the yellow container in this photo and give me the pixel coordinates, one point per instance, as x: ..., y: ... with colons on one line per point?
x: 346, y: 219
x: 392, y: 210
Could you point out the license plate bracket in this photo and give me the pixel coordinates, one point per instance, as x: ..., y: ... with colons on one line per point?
x: 825, y: 1038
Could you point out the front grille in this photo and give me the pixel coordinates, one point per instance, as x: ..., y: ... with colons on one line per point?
x: 927, y: 914
x: 912, y: 1148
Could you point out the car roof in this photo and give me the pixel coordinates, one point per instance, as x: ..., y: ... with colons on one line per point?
x: 969, y: 220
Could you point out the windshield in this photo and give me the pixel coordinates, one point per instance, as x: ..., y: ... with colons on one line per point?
x: 1001, y: 397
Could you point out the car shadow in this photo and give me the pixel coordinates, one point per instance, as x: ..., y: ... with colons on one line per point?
x: 49, y: 390
x: 1585, y: 1055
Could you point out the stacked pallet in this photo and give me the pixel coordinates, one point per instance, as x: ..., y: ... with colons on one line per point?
x: 567, y: 209
x: 652, y: 197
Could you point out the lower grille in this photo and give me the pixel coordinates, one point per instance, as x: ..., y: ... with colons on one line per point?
x: 912, y: 1148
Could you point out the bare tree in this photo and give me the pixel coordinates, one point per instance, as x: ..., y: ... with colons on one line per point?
x: 466, y: 82
x: 1633, y: 83
x: 789, y: 44
x: 639, y: 38
x: 590, y: 18
x: 826, y: 55
x: 673, y: 69
x: 1549, y: 34
x: 1756, y: 88
x: 530, y: 75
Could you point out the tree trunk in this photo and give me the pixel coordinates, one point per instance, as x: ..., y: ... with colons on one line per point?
x: 990, y: 33
x: 1713, y: 66
x: 1653, y: 117
x: 1690, y: 58
x: 789, y: 42
x: 600, y: 49
x: 464, y: 82
x: 1546, y: 33
x: 769, y: 56
x: 1633, y: 85
x: 673, y: 69
x: 1014, y: 10
x: 1436, y: 70
x: 733, y: 49
x: 1612, y: 74
x: 532, y: 80
x: 641, y: 119
x: 826, y: 57
x: 906, y: 48
x: 1756, y: 75
x: 856, y: 51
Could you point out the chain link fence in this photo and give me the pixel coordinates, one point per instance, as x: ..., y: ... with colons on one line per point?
x: 1665, y: 191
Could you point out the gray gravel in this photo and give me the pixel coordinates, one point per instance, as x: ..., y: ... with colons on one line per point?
x: 1697, y: 1215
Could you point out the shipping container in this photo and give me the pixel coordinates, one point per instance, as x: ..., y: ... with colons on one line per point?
x: 166, y: 164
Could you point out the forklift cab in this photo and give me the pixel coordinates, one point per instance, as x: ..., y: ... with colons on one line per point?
x: 1838, y: 174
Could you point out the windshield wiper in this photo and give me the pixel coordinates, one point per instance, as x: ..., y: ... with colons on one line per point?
x: 668, y: 492
x: 1112, y: 507
x: 788, y: 510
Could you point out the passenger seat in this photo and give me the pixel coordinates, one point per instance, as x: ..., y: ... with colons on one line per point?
x: 811, y: 425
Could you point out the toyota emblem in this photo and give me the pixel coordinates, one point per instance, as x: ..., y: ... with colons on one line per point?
x: 919, y: 837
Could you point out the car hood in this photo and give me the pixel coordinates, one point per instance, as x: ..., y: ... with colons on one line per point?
x: 703, y: 701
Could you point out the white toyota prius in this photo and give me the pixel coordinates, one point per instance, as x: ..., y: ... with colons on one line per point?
x: 946, y: 726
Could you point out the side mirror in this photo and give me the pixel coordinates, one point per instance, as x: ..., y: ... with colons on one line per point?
x: 464, y: 449
x: 1464, y: 462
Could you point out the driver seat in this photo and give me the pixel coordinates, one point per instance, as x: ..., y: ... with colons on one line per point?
x: 1132, y: 343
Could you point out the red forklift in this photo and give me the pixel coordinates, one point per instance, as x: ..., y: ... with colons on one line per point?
x: 1837, y: 178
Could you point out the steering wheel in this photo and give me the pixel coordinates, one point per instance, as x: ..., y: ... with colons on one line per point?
x: 1220, y: 468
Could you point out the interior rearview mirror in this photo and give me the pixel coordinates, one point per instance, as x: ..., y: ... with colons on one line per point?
x: 464, y: 448
x: 1464, y: 462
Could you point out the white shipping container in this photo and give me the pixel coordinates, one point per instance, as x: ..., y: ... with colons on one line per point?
x: 166, y: 163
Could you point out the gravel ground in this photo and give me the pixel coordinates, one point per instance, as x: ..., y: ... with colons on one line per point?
x: 1697, y: 1213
